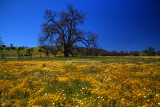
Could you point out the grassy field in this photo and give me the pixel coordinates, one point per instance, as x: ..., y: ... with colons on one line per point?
x: 36, y: 53
x: 13, y: 53
x: 80, y: 81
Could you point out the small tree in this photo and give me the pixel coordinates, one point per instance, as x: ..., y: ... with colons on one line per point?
x: 40, y: 50
x: 158, y: 52
x: 46, y: 49
x: 2, y: 53
x: 76, y: 50
x: 113, y: 53
x: 82, y: 51
x: 1, y: 48
x: 30, y: 51
x: 18, y: 51
x: 13, y: 48
x: 151, y: 51
x: 121, y: 53
x: 7, y: 48
x: 54, y: 51
x: 11, y: 45
x: 135, y: 53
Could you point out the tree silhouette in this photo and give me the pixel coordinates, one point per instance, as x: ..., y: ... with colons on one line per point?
x: 1, y: 48
x: 29, y: 52
x: 45, y: 45
x: 62, y: 29
x: 151, y: 51
x: 18, y: 50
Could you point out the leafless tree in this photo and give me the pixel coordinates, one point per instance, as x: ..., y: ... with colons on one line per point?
x: 53, y: 51
x: 62, y: 29
x: 1, y: 48
x: 30, y: 51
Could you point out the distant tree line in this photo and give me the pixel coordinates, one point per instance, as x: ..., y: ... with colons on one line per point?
x: 92, y: 50
x: 3, y: 47
x: 150, y: 51
x: 76, y: 51
x: 84, y: 51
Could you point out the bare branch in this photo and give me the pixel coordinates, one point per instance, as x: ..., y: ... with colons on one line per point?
x: 63, y: 29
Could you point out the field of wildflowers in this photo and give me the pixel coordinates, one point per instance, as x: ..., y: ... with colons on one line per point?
x: 81, y: 82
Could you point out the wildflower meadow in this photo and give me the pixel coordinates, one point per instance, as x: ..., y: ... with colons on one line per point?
x: 80, y: 82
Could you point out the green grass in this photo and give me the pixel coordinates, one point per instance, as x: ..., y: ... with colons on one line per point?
x: 13, y: 53
x: 105, y: 59
x: 8, y: 76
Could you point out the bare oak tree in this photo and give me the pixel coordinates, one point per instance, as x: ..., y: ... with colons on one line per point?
x: 62, y: 29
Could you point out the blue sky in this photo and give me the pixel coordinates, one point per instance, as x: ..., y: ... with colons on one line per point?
x: 121, y: 24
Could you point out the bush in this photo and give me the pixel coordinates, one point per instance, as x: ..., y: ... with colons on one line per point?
x: 13, y: 48
x: 135, y: 53
x: 7, y: 48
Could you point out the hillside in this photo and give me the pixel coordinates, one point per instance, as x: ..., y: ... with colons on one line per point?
x: 11, y: 52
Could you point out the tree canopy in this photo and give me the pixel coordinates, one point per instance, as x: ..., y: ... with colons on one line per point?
x: 62, y: 29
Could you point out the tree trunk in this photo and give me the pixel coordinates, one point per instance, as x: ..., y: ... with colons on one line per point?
x: 2, y: 55
x: 31, y: 55
x: 66, y: 53
x: 18, y: 55
x: 47, y: 53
